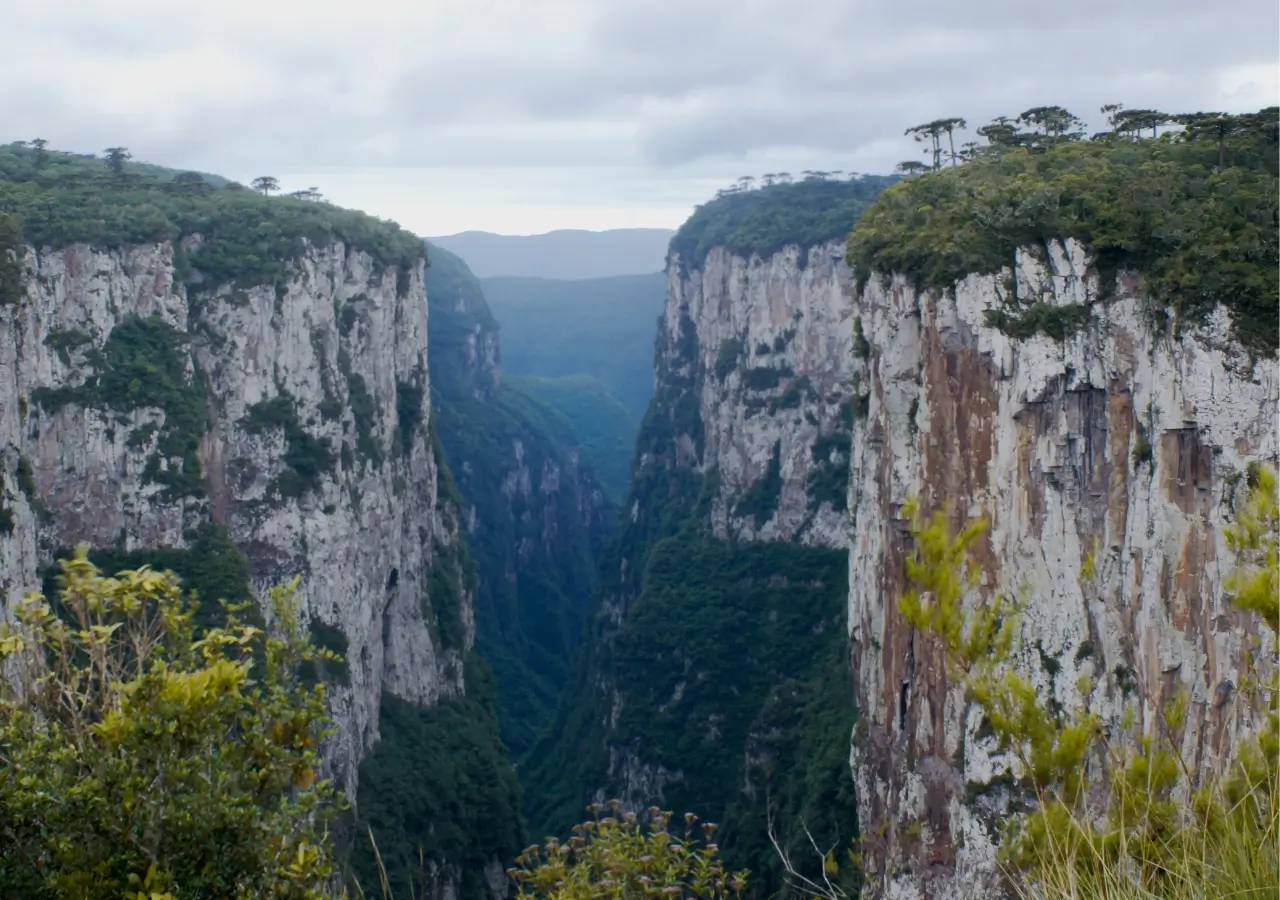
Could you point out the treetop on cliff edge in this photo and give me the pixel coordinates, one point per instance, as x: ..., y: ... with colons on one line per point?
x: 59, y: 199
x: 759, y: 221
x: 1193, y: 211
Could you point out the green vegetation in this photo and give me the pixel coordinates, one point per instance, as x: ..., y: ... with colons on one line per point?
x: 437, y: 790
x: 829, y: 480
x: 760, y: 501
x: 1153, y: 834
x: 249, y: 238
x: 615, y: 858
x: 451, y: 579
x: 141, y: 762
x: 722, y: 649
x: 333, y: 666
x: 728, y: 357
x: 210, y: 569
x: 306, y: 458
x: 534, y: 550
x: 602, y: 327
x: 145, y: 364
x: 598, y: 421
x: 1193, y: 212
x: 763, y: 221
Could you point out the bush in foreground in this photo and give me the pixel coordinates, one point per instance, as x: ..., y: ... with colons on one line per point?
x: 140, y: 759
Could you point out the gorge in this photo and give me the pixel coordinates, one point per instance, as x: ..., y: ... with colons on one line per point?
x: 242, y: 388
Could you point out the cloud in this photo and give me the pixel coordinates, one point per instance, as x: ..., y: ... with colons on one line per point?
x: 688, y: 90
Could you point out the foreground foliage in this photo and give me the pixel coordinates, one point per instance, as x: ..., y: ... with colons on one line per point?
x: 616, y: 857
x: 139, y: 759
x: 1195, y: 215
x: 1158, y: 831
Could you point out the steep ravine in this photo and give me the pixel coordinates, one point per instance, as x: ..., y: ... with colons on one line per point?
x: 714, y: 675
x: 243, y: 431
x: 1123, y: 442
x: 534, y: 515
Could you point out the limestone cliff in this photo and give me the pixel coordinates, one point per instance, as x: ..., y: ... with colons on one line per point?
x: 1122, y: 441
x: 134, y: 409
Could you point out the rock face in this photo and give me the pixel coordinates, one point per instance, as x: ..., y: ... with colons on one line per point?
x: 132, y: 411
x: 775, y: 350
x: 1121, y: 441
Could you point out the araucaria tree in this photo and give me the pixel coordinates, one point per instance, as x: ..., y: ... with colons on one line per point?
x: 140, y: 759
x: 116, y: 158
x: 265, y: 184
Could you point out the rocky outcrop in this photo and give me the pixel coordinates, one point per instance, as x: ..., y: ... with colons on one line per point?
x: 775, y: 356
x: 134, y: 409
x: 1122, y: 443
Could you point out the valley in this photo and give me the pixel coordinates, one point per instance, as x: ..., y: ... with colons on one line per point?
x: 861, y: 515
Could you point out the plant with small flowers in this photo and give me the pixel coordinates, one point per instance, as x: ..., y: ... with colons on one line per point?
x: 618, y: 856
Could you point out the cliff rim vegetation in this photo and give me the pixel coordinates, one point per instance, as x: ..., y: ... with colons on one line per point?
x: 1194, y: 211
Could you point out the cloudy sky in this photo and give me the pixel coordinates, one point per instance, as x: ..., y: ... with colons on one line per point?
x: 520, y: 116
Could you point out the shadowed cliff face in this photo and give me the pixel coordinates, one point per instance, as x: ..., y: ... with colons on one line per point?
x: 133, y: 411
x: 532, y: 510
x: 1121, y: 441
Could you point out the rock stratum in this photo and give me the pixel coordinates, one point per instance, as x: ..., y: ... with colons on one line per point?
x: 1105, y: 465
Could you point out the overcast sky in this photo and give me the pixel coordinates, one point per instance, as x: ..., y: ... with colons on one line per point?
x: 521, y: 116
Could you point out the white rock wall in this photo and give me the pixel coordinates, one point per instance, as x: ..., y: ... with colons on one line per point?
x: 1039, y: 436
x: 363, y: 540
x: 787, y: 315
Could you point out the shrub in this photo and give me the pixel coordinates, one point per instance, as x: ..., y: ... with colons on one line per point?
x: 616, y: 857
x: 141, y: 762
x: 1155, y: 833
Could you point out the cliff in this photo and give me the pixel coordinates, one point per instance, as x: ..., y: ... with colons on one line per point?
x: 1122, y: 442
x: 714, y: 675
x: 236, y: 387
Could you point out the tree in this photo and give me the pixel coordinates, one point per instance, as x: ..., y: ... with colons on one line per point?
x: 42, y: 155
x: 1002, y: 133
x: 615, y: 857
x: 931, y: 131
x: 116, y: 158
x: 911, y: 167
x: 949, y: 126
x: 191, y: 183
x: 265, y: 184
x: 139, y: 759
x: 1053, y: 122
x: 1215, y: 126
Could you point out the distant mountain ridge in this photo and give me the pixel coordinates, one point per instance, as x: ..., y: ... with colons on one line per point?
x: 567, y: 254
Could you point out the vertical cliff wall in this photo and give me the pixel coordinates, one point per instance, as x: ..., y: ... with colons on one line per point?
x: 244, y: 398
x: 1123, y: 442
x: 294, y: 414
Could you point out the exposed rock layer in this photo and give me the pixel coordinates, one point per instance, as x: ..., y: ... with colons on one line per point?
x: 1123, y: 441
x: 346, y: 341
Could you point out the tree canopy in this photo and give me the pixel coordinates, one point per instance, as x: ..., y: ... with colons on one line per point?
x: 1194, y: 211
x: 54, y: 199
